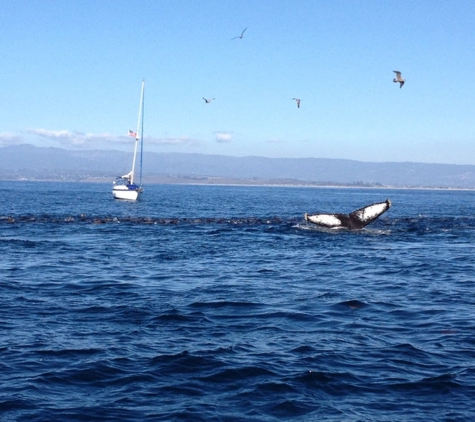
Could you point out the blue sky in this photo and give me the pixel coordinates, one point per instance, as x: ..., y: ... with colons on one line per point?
x: 71, y: 74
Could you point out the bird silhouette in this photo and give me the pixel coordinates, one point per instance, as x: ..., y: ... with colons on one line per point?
x: 240, y: 36
x: 399, y: 78
x: 208, y: 100
x: 298, y: 101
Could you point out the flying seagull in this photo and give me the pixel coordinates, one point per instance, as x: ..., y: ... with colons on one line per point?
x: 208, y: 100
x: 399, y: 78
x: 240, y: 36
x: 298, y: 101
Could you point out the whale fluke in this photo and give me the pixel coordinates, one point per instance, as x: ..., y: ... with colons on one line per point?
x: 354, y: 221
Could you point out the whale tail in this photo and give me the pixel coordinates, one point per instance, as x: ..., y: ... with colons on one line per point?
x: 355, y: 220
x: 370, y: 213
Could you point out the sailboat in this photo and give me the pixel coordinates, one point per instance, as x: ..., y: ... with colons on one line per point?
x: 124, y: 187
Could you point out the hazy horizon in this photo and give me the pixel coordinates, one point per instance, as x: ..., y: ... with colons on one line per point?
x: 30, y: 162
x: 129, y: 152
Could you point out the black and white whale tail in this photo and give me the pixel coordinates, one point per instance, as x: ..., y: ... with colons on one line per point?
x: 354, y: 221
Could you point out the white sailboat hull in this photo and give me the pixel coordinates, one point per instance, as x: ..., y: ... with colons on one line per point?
x: 123, y: 192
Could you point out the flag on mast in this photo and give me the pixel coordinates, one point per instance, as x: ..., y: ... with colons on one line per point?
x: 132, y: 133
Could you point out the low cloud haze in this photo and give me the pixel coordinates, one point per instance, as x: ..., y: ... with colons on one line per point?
x: 82, y: 140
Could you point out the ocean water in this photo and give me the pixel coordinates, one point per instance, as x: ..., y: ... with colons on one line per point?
x: 219, y: 303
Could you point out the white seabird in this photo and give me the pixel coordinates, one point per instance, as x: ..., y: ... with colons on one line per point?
x: 399, y: 78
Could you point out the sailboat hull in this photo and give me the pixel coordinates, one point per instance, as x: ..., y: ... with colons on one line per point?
x: 124, y: 192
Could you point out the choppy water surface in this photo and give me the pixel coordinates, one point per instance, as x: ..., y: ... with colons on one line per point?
x: 209, y: 303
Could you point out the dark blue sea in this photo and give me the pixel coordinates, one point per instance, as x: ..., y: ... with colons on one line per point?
x: 220, y: 303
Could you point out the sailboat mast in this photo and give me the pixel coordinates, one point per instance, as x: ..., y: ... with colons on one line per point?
x: 138, y: 128
x: 141, y: 131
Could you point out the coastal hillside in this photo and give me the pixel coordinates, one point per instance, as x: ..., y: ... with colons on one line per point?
x: 27, y: 162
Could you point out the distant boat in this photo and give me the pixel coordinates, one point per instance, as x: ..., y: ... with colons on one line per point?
x: 124, y: 186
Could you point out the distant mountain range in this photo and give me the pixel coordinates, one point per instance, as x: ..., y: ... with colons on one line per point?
x: 27, y: 162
